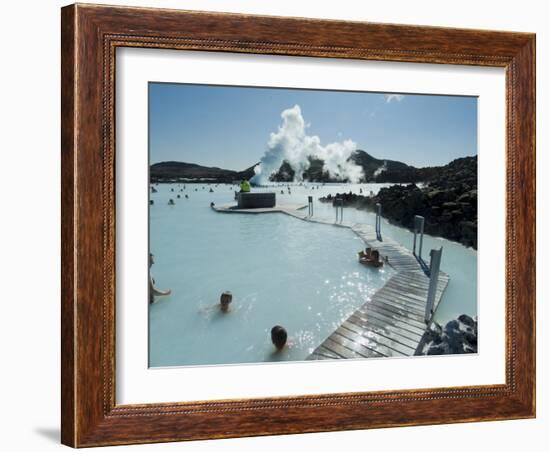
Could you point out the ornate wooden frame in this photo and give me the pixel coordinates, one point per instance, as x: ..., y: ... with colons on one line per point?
x: 90, y: 35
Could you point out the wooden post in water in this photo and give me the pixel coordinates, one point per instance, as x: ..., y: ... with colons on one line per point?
x: 310, y: 206
x: 435, y: 262
x: 418, y: 229
x: 378, y: 219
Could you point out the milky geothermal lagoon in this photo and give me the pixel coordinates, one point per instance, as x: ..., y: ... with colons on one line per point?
x: 281, y: 270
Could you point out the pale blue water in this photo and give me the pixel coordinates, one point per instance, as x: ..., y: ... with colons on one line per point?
x: 281, y: 270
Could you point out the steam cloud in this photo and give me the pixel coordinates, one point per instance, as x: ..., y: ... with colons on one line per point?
x: 396, y: 97
x: 291, y: 143
x: 381, y: 169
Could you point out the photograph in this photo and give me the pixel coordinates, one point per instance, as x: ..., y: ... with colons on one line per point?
x: 294, y: 224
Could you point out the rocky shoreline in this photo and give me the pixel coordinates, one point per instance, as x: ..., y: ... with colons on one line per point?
x: 448, y: 202
x: 456, y: 337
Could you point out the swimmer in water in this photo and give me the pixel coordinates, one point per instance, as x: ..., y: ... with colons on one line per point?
x: 372, y: 259
x: 153, y: 291
x: 225, y: 300
x: 279, y: 337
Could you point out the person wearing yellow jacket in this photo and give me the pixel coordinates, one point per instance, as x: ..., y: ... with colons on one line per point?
x: 245, y: 186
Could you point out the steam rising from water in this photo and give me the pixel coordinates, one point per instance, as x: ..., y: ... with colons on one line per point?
x: 291, y: 143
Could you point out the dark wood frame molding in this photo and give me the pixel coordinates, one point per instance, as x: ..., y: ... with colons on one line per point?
x: 90, y: 35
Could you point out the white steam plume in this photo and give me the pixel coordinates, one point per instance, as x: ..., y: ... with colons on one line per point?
x: 381, y: 169
x: 291, y: 143
x: 394, y: 97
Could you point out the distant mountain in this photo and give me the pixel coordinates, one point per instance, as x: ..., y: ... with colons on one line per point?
x: 181, y: 171
x: 374, y: 170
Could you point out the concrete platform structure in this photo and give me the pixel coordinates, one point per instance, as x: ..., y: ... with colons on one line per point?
x: 256, y: 200
x: 289, y: 209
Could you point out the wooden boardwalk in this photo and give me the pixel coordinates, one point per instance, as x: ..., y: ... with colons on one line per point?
x: 392, y: 322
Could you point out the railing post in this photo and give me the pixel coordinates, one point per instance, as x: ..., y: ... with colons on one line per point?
x: 339, y: 203
x: 378, y: 221
x: 421, y: 237
x: 310, y: 205
x: 418, y: 229
x: 435, y: 262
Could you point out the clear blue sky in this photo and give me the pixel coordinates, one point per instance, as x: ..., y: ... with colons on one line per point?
x: 229, y: 127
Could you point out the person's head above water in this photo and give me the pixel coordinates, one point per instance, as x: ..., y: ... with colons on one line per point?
x: 278, y: 336
x: 151, y: 259
x: 225, y: 299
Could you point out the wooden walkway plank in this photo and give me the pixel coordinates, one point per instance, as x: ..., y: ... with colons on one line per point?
x: 322, y: 353
x: 394, y: 314
x: 370, y: 346
x: 370, y: 334
x: 400, y: 297
x: 398, y: 303
x: 346, y: 348
x: 397, y: 334
x: 391, y: 320
x: 362, y: 346
x: 407, y: 329
x: 399, y: 309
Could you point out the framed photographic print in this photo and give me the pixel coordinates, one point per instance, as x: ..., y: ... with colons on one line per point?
x: 281, y: 225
